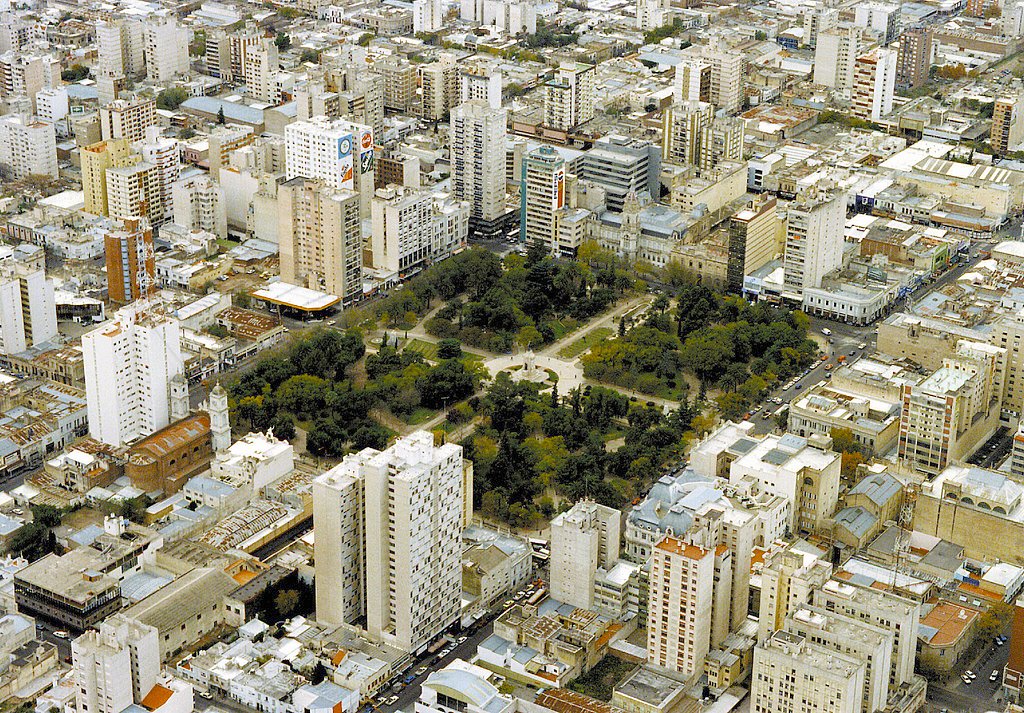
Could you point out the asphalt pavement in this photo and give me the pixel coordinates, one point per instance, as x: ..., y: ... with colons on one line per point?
x: 981, y: 694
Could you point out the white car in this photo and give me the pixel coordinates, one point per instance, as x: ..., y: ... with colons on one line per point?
x: 827, y: 332
x: 994, y: 676
x: 62, y: 634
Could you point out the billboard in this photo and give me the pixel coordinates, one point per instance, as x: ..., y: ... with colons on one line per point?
x: 365, y: 151
x: 345, y: 164
x: 559, y: 187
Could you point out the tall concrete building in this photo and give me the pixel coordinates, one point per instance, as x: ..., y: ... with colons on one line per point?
x: 399, y: 83
x: 133, y: 400
x: 337, y: 152
x: 725, y: 90
x: 874, y: 84
x: 569, y: 97
x: 120, y: 47
x: 127, y: 119
x: 131, y: 261
x: 480, y: 82
x: 25, y: 75
x: 198, y: 203
x: 753, y: 239
x: 28, y: 313
x: 389, y: 539
x: 814, y: 239
x: 543, y: 190
x: 835, y: 55
x: 319, y: 238
x: 914, y: 59
x: 28, y: 148
x: 792, y: 674
x: 226, y: 51
x: 116, y: 666
x: 439, y: 88
x: 621, y: 166
x: 692, y: 79
x: 96, y: 160
x: 162, y: 152
x: 583, y: 539
x: 260, y: 67
x: 427, y: 15
x: 478, y: 162
x: 412, y: 228
x: 881, y: 18
x: 817, y: 20
x: 789, y: 577
x: 134, y: 190
x: 166, y: 49
x: 684, y: 124
x: 1007, y: 124
x: 679, y: 606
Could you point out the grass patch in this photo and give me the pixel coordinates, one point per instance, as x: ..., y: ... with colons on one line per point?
x: 418, y: 416
x: 584, y: 343
x: 562, y: 327
x: 428, y: 350
x: 599, y: 681
x: 226, y: 244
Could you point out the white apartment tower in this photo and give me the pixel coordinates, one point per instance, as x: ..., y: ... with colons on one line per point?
x: 679, y: 606
x: 337, y: 152
x: 319, y: 238
x: 879, y: 17
x: 788, y: 578
x: 28, y: 314
x: 413, y: 228
x: 115, y: 666
x: 129, y: 364
x: 28, y: 147
x: 543, y: 191
x: 569, y: 97
x: 166, y: 48
x: 389, y: 539
x: 684, y: 125
x: 835, y: 54
x: 874, y: 84
x: 260, y: 69
x: 478, y: 159
x: 25, y: 76
x: 481, y: 82
x: 135, y: 190
x: 198, y: 204
x: 162, y: 152
x: 814, y: 239
x: 793, y: 675
x: 427, y: 15
x: 583, y: 539
x: 726, y: 74
x: 127, y: 119
x: 120, y: 46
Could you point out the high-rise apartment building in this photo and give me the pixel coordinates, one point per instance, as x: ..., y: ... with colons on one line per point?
x: 28, y: 313
x: 692, y: 80
x: 621, y: 166
x: 199, y: 204
x: 684, y: 124
x: 679, y: 606
x: 166, y: 49
x: 162, y: 152
x: 726, y: 76
x: 569, y: 97
x: 651, y: 14
x: 753, y: 239
x: 543, y: 191
x: 260, y: 67
x: 439, y: 88
x: 399, y: 83
x: 817, y: 20
x: 116, y: 666
x: 131, y: 261
x: 134, y: 190
x: 427, y: 15
x: 914, y: 58
x: 25, y: 75
x: 120, y: 46
x: 337, y: 152
x: 1007, y: 124
x: 954, y: 409
x: 721, y: 140
x: 413, y: 228
x: 583, y: 539
x: 481, y: 82
x: 319, y: 238
x: 874, y: 84
x: 835, y: 54
x: 881, y: 18
x: 792, y: 674
x: 96, y: 160
x: 127, y: 119
x: 129, y: 364
x: 389, y: 539
x: 53, y: 107
x: 478, y: 161
x: 814, y: 239
x: 28, y: 148
x: 789, y: 577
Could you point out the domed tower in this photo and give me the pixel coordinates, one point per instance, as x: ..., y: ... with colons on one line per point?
x: 630, y: 225
x: 220, y: 425
x: 179, y: 398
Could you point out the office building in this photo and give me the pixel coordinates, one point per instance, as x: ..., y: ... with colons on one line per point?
x: 881, y: 18
x: 334, y: 151
x: 753, y: 239
x: 121, y: 47
x: 543, y: 194
x: 622, y: 166
x: 679, y: 605
x: 569, y: 97
x: 319, y: 238
x: 389, y: 546
x: 793, y: 675
x: 789, y: 576
x: 427, y: 15
x: 162, y: 152
x: 1007, y: 124
x: 198, y: 204
x: 127, y: 119
x: 439, y: 88
x: 478, y: 162
x: 28, y: 314
x: 874, y: 84
x: 412, y: 229
x: 835, y: 55
x: 28, y: 148
x: 115, y: 666
x: 815, y: 223
x: 952, y: 411
x: 134, y: 190
x: 166, y: 49
x: 96, y: 159
x: 914, y: 59
x: 131, y: 261
x: 133, y: 400
x: 583, y: 539
x: 481, y: 82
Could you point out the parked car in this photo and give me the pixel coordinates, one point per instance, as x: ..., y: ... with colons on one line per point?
x: 827, y: 332
x: 994, y: 676
x: 970, y: 674
x: 966, y: 679
x: 61, y: 634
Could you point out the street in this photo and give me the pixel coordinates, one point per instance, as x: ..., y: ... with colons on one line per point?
x: 981, y: 694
